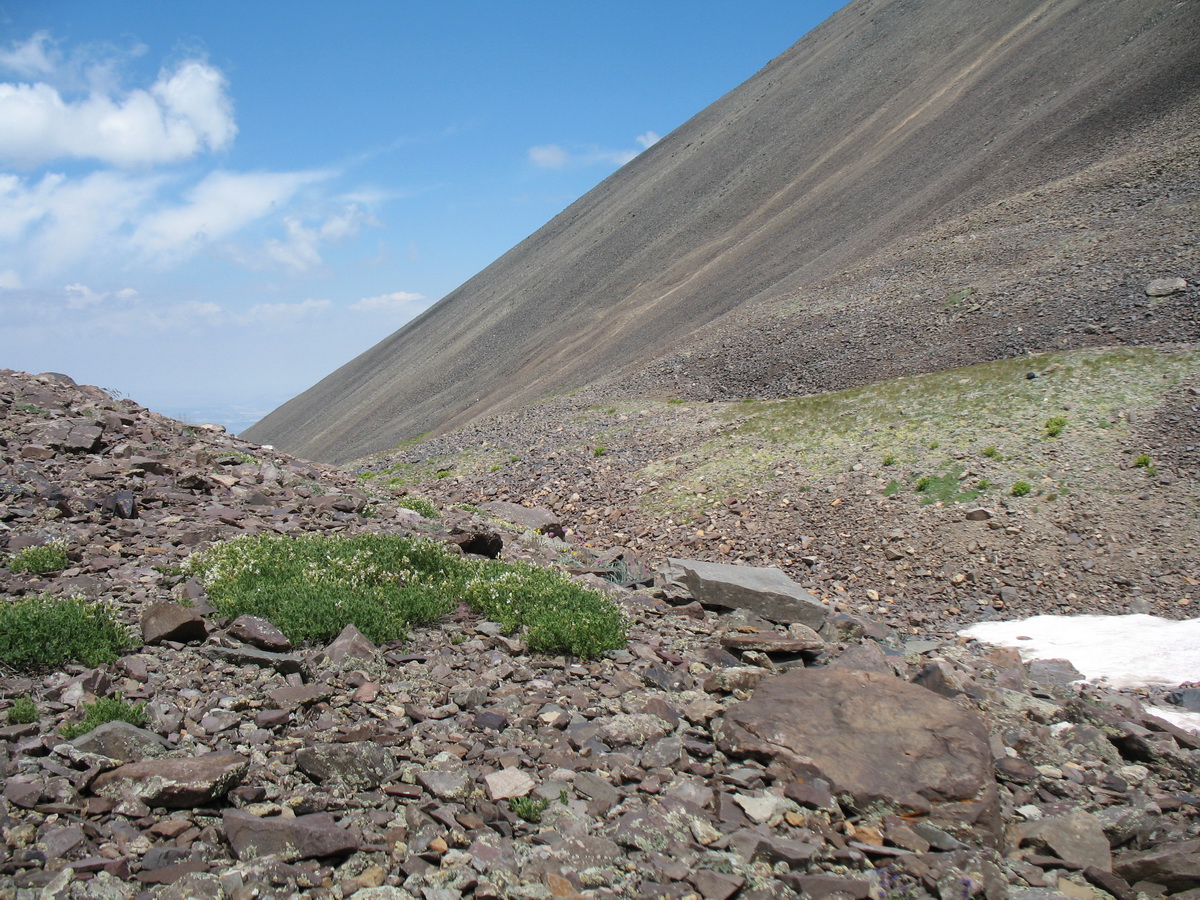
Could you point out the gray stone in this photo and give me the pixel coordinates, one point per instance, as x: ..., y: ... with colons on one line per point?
x: 1164, y: 287
x: 121, y: 741
x: 1076, y: 838
x: 767, y: 592
x: 542, y: 520
x: 354, y: 766
x: 1175, y: 866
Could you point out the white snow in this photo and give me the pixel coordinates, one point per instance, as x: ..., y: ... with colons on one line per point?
x: 1119, y: 651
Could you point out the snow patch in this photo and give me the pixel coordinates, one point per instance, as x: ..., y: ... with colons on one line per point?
x: 1119, y: 651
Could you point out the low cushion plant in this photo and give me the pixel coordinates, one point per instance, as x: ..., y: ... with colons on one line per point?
x: 44, y: 632
x: 312, y: 586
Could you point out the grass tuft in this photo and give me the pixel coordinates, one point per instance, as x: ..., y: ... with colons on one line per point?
x: 44, y: 632
x: 1021, y: 488
x: 419, y: 505
x: 23, y: 712
x: 106, y: 709
x: 1055, y: 426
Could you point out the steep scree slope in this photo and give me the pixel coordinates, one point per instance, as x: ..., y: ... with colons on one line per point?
x: 890, y: 121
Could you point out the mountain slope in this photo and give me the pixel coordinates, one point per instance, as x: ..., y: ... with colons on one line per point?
x: 887, y: 122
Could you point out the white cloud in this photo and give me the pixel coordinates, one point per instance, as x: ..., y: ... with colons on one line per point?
x: 549, y: 156
x: 395, y: 302
x: 279, y: 313
x: 10, y: 280
x: 80, y: 296
x: 648, y: 140
x: 185, y: 111
x: 299, y: 250
x: 552, y: 156
x: 29, y: 59
x: 222, y: 203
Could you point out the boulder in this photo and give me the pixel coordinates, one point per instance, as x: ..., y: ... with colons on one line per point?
x: 303, y: 837
x: 765, y: 591
x: 542, y: 520
x: 875, y: 738
x: 167, y: 621
x: 175, y: 783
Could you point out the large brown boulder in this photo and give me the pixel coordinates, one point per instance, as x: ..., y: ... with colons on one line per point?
x: 876, y: 739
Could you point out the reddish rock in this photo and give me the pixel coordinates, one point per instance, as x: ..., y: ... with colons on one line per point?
x: 874, y: 737
x: 259, y: 633
x: 175, y: 783
x: 168, y: 621
x: 302, y: 837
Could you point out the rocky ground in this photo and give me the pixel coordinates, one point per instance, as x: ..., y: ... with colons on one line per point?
x: 730, y: 751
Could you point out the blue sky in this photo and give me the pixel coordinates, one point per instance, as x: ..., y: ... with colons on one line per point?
x: 211, y: 206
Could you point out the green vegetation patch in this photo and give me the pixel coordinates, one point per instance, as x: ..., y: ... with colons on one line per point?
x: 420, y: 506
x: 44, y: 632
x: 23, y: 712
x: 106, y: 709
x: 945, y: 488
x: 312, y: 586
x: 40, y: 560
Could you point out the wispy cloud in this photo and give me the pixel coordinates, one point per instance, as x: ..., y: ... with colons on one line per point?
x: 554, y: 156
x: 399, y: 301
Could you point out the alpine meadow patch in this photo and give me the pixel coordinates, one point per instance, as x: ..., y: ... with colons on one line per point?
x: 312, y: 586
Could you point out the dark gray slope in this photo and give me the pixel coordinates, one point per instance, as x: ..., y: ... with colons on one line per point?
x: 890, y: 118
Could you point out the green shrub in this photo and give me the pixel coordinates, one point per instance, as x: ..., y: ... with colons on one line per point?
x: 1055, y: 426
x: 106, y: 709
x: 43, y: 632
x: 442, y: 473
x: 993, y: 453
x: 923, y: 483
x: 1143, y: 461
x: 889, y: 460
x: 599, y: 450
x: 983, y: 484
x: 48, y: 557
x: 528, y: 808
x: 1021, y: 488
x: 23, y: 711
x: 559, y: 615
x: 419, y: 505
x: 312, y: 586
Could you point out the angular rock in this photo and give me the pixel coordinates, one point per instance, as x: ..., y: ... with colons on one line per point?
x: 774, y: 643
x: 767, y: 592
x: 303, y: 837
x: 542, y: 520
x: 167, y: 621
x: 1175, y: 866
x: 175, y: 783
x: 874, y: 737
x: 354, y: 766
x: 1076, y: 837
x: 1164, y: 287
x: 506, y: 783
x: 350, y: 644
x: 260, y: 633
x: 122, y: 741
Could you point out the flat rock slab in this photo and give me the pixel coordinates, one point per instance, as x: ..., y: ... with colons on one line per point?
x: 874, y: 737
x: 542, y: 520
x: 767, y: 642
x: 302, y: 837
x: 175, y: 783
x: 355, y: 766
x: 767, y: 592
